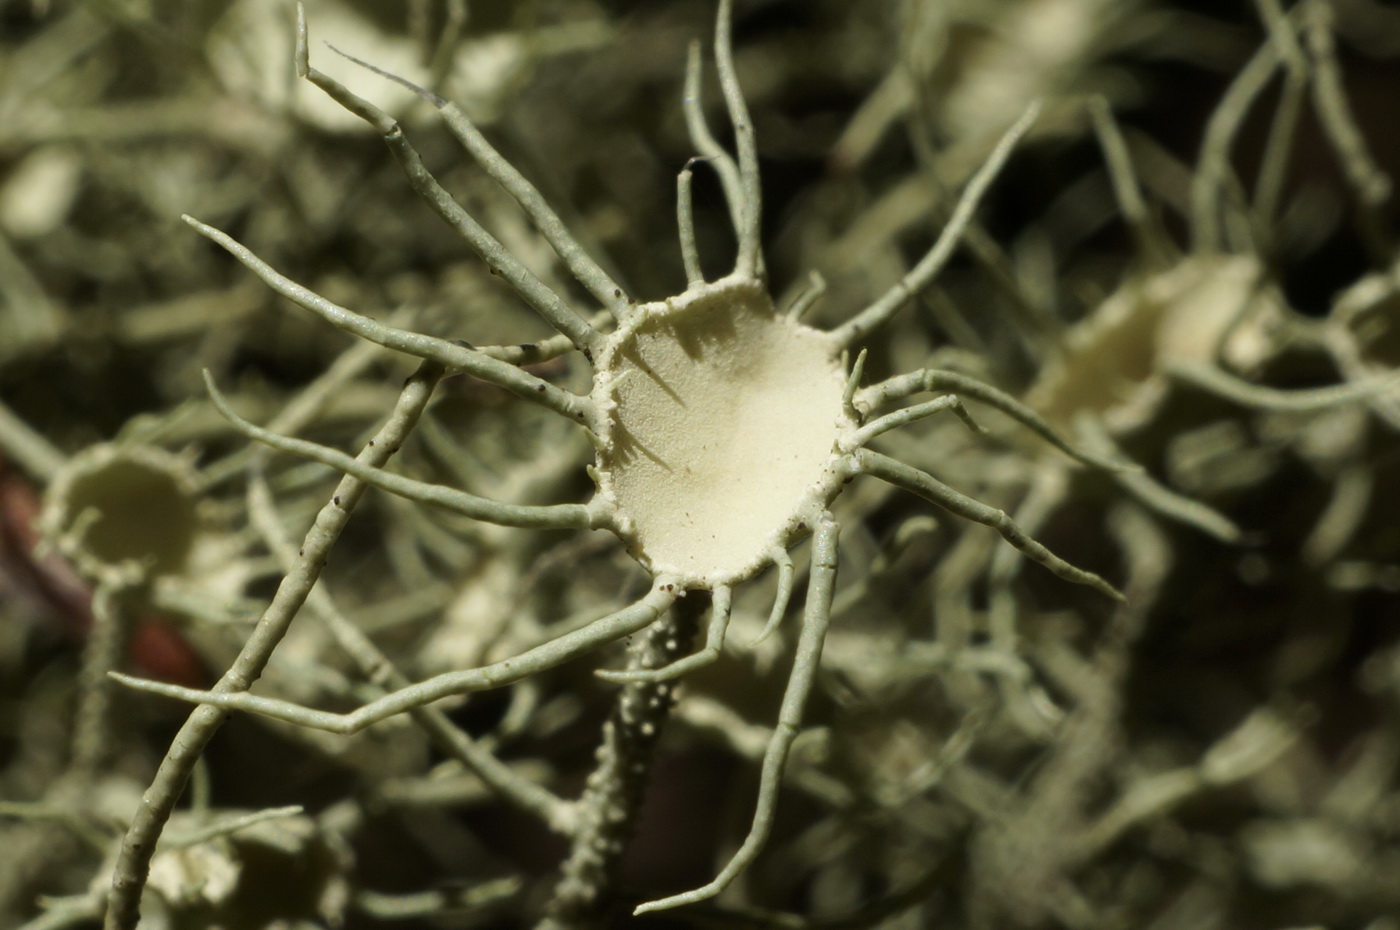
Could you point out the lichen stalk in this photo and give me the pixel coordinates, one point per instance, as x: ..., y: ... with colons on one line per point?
x: 113, y: 613
x: 607, y: 811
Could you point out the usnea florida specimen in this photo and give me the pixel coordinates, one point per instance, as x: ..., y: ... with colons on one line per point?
x: 723, y: 430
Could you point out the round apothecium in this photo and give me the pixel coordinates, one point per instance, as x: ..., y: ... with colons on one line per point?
x: 719, y: 421
x: 115, y: 505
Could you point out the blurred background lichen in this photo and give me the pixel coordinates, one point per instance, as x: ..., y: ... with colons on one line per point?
x: 1191, y: 260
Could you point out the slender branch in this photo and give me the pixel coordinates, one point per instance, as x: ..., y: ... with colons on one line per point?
x: 450, y: 902
x: 134, y: 861
x: 559, y: 516
x: 452, y: 356
x: 878, y: 396
x: 230, y: 824
x: 816, y: 287
x: 557, y: 651
x: 294, y: 415
x: 907, y: 415
x: 786, y: 573
x: 535, y: 292
x: 685, y: 221
x: 815, y: 621
x: 28, y: 447
x: 749, y: 262
x: 1208, y: 184
x: 705, y: 143
x: 1153, y: 494
x: 883, y: 310
x: 580, y: 264
x: 376, y: 667
x: 931, y: 489
x: 1147, y: 235
x: 529, y: 353
x: 1259, y: 397
x: 1278, y: 150
x: 1370, y: 182
x: 1173, y: 505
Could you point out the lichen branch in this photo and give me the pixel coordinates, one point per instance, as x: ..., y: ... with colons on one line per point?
x: 610, y: 803
x: 134, y: 861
